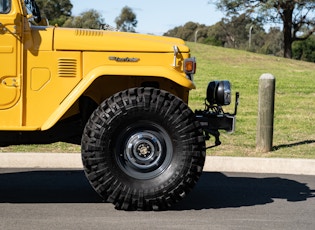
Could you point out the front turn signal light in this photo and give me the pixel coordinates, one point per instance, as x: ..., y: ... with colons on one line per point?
x: 190, y: 65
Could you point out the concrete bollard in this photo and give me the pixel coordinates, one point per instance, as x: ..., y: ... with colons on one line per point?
x: 264, y: 137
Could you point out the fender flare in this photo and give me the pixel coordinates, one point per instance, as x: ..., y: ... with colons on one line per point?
x: 154, y: 71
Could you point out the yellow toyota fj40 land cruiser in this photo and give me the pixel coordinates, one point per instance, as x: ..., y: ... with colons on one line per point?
x: 122, y: 96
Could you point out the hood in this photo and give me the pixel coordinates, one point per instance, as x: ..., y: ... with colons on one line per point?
x: 101, y: 40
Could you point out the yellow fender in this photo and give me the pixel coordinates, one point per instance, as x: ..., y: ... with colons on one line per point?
x: 155, y: 71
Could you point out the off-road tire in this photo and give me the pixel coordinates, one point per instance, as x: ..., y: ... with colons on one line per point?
x: 142, y: 149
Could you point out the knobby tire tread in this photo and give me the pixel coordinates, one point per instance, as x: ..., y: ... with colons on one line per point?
x: 114, y: 187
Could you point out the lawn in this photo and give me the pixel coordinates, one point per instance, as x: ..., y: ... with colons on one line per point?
x: 294, y: 125
x: 294, y: 135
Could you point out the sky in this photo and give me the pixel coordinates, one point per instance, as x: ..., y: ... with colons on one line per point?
x: 154, y: 17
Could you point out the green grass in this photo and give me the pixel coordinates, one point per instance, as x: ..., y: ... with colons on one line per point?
x: 294, y: 128
x: 59, y: 147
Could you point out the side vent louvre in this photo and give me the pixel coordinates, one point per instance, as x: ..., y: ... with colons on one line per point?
x: 84, y: 32
x: 67, y: 67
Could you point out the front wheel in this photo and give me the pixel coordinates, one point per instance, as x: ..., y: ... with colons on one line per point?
x: 142, y: 149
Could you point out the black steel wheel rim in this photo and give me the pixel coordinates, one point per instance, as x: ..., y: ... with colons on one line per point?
x: 143, y: 150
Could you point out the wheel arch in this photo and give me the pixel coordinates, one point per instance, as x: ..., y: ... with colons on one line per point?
x: 104, y: 81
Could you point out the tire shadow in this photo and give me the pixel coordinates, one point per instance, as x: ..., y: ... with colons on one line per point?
x: 66, y: 186
x: 216, y: 190
x: 213, y: 191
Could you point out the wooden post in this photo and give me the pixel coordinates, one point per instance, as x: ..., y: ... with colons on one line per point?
x: 266, y: 100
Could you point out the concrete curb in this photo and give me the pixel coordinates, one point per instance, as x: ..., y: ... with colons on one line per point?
x: 40, y: 160
x: 261, y: 165
x: 213, y: 163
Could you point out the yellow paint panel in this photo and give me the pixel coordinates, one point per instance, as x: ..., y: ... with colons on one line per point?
x: 89, y: 40
x: 10, y: 118
x: 47, y: 84
x: 39, y: 78
x: 9, y: 96
x: 6, y: 49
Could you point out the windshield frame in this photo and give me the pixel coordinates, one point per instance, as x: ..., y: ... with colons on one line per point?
x: 32, y: 9
x: 5, y: 6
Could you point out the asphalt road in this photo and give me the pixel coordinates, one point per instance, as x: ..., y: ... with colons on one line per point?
x: 63, y: 199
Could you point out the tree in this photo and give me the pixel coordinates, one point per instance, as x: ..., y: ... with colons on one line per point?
x: 239, y: 32
x: 305, y: 50
x: 126, y: 21
x: 185, y: 32
x: 191, y: 31
x: 90, y: 19
x: 216, y: 35
x: 273, y: 42
x: 56, y: 11
x: 296, y: 16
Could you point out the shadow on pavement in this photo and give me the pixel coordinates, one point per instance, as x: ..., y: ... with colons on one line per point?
x: 46, y: 187
x: 214, y: 190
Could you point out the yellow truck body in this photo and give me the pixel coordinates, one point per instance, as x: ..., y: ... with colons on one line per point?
x: 46, y: 69
x: 122, y: 96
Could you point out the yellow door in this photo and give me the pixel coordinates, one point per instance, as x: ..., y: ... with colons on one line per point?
x: 10, y: 50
